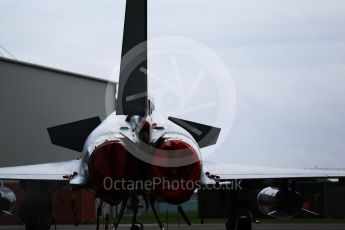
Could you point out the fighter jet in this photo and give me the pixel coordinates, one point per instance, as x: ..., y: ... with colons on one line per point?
x: 131, y: 146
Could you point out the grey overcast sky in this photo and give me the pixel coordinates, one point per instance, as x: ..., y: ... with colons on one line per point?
x: 286, y: 59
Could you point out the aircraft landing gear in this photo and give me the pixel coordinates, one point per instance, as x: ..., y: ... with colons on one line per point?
x: 122, y: 211
x: 242, y: 223
x: 137, y: 226
x: 36, y: 209
x: 240, y: 216
x: 152, y: 199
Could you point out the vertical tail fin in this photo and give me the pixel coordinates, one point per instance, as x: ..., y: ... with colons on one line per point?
x: 132, y: 92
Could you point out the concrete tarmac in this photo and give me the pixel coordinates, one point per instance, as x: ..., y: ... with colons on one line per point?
x: 206, y: 227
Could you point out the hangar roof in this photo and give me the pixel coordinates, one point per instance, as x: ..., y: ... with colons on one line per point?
x: 51, y: 69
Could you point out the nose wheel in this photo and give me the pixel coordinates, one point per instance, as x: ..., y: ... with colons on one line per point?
x: 137, y: 226
x: 133, y: 197
x: 240, y: 215
x: 242, y: 223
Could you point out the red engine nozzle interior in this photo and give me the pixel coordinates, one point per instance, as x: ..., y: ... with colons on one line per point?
x: 177, y: 183
x: 110, y: 163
